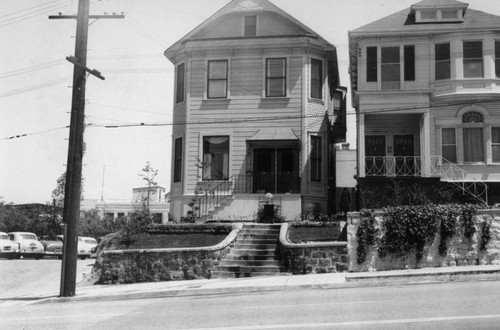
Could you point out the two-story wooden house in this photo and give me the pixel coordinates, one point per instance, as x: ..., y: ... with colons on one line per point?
x: 257, y: 110
x: 426, y: 89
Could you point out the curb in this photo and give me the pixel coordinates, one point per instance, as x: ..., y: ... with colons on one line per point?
x: 352, y: 280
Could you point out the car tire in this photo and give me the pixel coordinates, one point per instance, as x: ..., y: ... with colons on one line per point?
x: 83, y: 258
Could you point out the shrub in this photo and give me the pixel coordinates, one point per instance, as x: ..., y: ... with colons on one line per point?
x: 365, y: 234
x: 485, y: 235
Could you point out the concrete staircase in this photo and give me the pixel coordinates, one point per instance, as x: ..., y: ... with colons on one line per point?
x: 254, y: 253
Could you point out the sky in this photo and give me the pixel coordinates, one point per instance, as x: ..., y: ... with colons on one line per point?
x: 35, y: 85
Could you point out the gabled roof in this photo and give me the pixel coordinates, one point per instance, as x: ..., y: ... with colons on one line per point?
x: 247, y: 6
x: 404, y: 22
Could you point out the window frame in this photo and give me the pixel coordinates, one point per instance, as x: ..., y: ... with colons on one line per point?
x: 247, y: 26
x: 269, y: 78
x: 180, y: 84
x: 372, y: 64
x: 225, y: 79
x: 409, y: 62
x: 473, y: 59
x: 207, y: 175
x: 442, y: 61
x: 495, y: 144
x: 315, y: 173
x: 317, y: 84
x: 178, y: 151
x: 497, y: 58
x: 449, y: 145
x: 385, y: 68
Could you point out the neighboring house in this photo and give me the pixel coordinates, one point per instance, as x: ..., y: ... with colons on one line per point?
x: 159, y: 205
x: 426, y: 87
x: 257, y: 110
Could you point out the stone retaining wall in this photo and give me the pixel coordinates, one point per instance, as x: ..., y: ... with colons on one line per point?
x: 312, y: 257
x: 153, y: 265
x: 461, y: 251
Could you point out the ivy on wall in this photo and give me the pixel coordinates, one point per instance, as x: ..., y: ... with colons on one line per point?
x: 408, y: 229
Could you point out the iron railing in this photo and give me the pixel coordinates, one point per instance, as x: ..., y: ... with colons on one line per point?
x: 211, y: 198
x: 391, y: 166
x: 454, y: 174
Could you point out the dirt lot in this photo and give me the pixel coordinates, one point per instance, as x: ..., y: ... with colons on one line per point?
x: 25, y: 278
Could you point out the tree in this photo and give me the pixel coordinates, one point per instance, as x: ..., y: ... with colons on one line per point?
x: 93, y: 224
x: 58, y: 192
x: 149, y: 174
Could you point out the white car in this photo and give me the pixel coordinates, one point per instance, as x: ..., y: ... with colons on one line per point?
x: 29, y: 246
x: 89, y: 242
x: 84, y: 248
x: 8, y: 249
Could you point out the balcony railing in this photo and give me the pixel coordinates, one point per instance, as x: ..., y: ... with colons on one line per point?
x: 391, y: 166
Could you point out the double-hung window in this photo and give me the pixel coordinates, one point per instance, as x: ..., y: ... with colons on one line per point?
x: 179, y: 85
x: 409, y: 62
x: 449, y: 144
x: 316, y: 79
x: 473, y: 137
x: 217, y: 79
x: 497, y: 58
x: 276, y: 77
x: 215, y: 163
x: 390, y: 68
x: 371, y: 64
x: 178, y: 160
x: 442, y: 61
x: 316, y: 156
x: 495, y: 144
x: 473, y: 59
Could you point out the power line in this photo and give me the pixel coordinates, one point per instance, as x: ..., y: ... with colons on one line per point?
x: 18, y: 136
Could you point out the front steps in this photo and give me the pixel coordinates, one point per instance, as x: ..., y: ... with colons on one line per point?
x: 254, y: 253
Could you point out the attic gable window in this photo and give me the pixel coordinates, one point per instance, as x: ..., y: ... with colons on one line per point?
x: 430, y: 15
x: 250, y: 26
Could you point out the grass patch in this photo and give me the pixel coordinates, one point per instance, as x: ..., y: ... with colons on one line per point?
x: 177, y: 240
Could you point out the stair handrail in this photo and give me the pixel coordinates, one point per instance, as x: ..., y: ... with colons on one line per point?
x: 212, y: 197
x: 453, y: 173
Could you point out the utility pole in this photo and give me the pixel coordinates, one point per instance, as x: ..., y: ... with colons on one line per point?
x: 75, y: 148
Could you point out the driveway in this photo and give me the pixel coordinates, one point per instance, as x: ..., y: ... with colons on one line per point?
x: 28, y: 278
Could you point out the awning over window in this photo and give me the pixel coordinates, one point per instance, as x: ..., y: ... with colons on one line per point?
x: 273, y: 134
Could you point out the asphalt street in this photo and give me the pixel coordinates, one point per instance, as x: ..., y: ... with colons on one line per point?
x: 461, y: 305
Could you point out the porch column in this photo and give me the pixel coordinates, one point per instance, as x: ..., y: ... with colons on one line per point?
x: 425, y: 144
x: 361, y: 145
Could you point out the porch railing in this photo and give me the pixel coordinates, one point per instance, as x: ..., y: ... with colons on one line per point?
x: 211, y: 198
x: 454, y: 174
x: 391, y: 166
x: 267, y: 183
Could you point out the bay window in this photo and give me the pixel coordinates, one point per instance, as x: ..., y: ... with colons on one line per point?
x: 473, y: 59
x: 449, y: 144
x: 495, y: 144
x: 316, y: 79
x: 276, y: 77
x: 316, y: 158
x: 497, y: 58
x: 215, y: 163
x: 442, y: 61
x: 217, y: 79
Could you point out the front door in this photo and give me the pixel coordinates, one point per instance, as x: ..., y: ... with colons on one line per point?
x: 404, y: 155
x: 274, y: 170
x: 375, y: 155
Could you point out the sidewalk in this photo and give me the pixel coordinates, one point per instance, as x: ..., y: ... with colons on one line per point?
x: 275, y: 283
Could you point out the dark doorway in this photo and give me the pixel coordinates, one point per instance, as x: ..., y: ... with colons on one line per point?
x: 404, y: 155
x: 375, y: 154
x: 275, y: 170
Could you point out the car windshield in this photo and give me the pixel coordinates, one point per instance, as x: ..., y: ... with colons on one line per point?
x: 28, y: 237
x: 90, y: 241
x: 4, y: 236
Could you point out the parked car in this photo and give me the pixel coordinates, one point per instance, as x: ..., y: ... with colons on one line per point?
x: 28, y: 243
x: 8, y: 249
x: 89, y: 242
x: 53, y: 247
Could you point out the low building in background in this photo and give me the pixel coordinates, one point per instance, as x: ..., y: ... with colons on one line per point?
x: 159, y: 204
